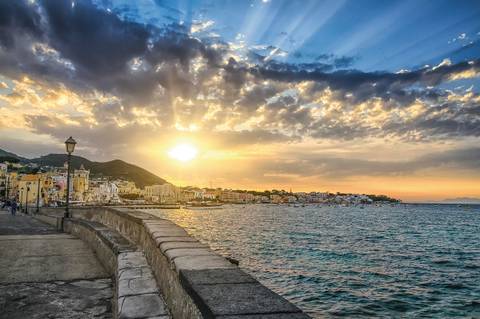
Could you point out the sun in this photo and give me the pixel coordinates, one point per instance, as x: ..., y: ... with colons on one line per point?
x: 183, y: 152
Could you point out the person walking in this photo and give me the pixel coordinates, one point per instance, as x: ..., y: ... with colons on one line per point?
x: 13, y: 207
x: 6, y: 204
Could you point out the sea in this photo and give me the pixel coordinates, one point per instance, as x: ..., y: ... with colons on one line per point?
x: 400, y: 261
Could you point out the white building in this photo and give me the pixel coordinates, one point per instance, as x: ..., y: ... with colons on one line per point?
x: 101, y: 191
x: 166, y: 193
x: 127, y: 187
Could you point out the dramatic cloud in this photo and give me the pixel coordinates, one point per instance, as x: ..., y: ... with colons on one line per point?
x: 111, y: 80
x: 170, y: 77
x: 333, y: 166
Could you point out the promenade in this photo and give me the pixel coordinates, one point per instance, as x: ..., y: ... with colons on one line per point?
x: 46, y: 274
x: 122, y: 263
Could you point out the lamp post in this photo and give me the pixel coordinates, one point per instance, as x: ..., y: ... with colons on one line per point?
x: 26, y: 198
x: 38, y: 195
x: 70, y: 146
x: 20, y: 198
x: 6, y: 187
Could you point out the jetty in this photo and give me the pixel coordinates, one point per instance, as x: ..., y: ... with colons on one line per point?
x: 151, y: 206
x: 119, y: 262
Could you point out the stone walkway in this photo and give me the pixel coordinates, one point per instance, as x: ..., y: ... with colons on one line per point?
x: 46, y: 274
x: 22, y: 225
x: 57, y: 299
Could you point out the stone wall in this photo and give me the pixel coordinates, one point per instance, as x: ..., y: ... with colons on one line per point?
x: 194, y: 280
x: 136, y: 294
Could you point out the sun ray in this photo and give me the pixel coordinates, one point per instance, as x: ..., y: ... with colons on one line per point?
x: 183, y: 152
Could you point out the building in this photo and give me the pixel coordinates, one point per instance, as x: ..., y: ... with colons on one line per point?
x: 189, y: 195
x: 274, y: 198
x: 102, y: 191
x: 127, y: 187
x: 11, y: 184
x: 29, y: 187
x: 166, y: 193
x: 80, y: 183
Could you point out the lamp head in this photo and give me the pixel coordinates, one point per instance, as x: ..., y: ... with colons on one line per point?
x: 70, y: 145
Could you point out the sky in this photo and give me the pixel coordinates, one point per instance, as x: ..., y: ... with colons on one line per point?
x: 350, y: 96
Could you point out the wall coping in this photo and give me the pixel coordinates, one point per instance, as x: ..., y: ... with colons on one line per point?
x: 217, y: 287
x: 136, y: 293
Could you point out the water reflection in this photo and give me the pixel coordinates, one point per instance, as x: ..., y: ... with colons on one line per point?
x: 414, y: 260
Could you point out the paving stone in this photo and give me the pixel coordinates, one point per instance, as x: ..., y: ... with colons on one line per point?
x: 215, y: 276
x: 21, y: 224
x: 50, y: 268
x: 169, y: 232
x: 270, y: 316
x: 138, y: 272
x: 155, y: 227
x: 59, y: 300
x: 93, y: 284
x: 164, y: 222
x: 90, y: 224
x: 172, y: 245
x: 201, y: 262
x: 136, y: 286
x: 184, y: 239
x: 141, y: 215
x: 141, y: 306
x: 131, y: 260
x: 240, y: 299
x: 182, y: 252
x: 115, y: 241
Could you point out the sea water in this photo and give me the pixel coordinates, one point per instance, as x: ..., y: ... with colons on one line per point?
x: 333, y: 261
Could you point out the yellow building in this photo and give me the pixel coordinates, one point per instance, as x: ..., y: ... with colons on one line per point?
x: 49, y: 192
x: 127, y: 187
x: 80, y: 181
x: 28, y: 188
x: 166, y: 193
x: 12, y: 184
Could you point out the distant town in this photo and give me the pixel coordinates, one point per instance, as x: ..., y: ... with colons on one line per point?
x: 44, y: 185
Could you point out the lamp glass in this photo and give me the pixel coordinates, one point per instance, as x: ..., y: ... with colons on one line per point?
x: 70, y: 145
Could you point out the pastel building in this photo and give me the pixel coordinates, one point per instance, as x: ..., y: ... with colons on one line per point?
x: 29, y: 187
x: 166, y: 193
x: 80, y: 183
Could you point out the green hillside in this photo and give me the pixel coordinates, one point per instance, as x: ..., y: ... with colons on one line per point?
x: 113, y: 169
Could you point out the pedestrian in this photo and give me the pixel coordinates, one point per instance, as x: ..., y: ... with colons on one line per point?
x: 6, y: 204
x: 13, y: 207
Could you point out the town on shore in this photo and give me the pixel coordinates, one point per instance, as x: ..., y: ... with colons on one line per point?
x: 33, y: 185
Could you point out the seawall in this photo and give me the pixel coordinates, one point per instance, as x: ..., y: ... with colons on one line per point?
x: 195, y: 281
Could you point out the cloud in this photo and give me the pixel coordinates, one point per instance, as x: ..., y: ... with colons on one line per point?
x: 325, y: 165
x: 121, y: 75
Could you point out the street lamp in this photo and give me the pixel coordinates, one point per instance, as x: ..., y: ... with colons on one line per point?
x: 20, y: 196
x: 70, y: 146
x: 38, y: 195
x: 26, y: 198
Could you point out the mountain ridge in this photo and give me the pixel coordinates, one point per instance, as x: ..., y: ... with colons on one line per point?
x: 115, y: 168
x: 462, y: 200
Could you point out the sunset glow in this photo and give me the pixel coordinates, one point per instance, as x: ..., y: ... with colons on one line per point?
x: 183, y: 152
x: 326, y: 95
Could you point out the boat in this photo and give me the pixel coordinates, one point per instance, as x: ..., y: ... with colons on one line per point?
x: 204, y: 205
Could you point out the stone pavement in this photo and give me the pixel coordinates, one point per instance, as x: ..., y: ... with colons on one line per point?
x: 22, y: 225
x: 56, y: 299
x: 46, y: 274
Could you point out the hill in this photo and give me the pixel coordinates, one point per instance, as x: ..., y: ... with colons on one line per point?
x: 113, y: 169
x: 462, y: 200
x: 6, y: 155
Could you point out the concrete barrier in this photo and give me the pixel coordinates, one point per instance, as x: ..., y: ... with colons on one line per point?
x: 195, y: 281
x: 136, y: 295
